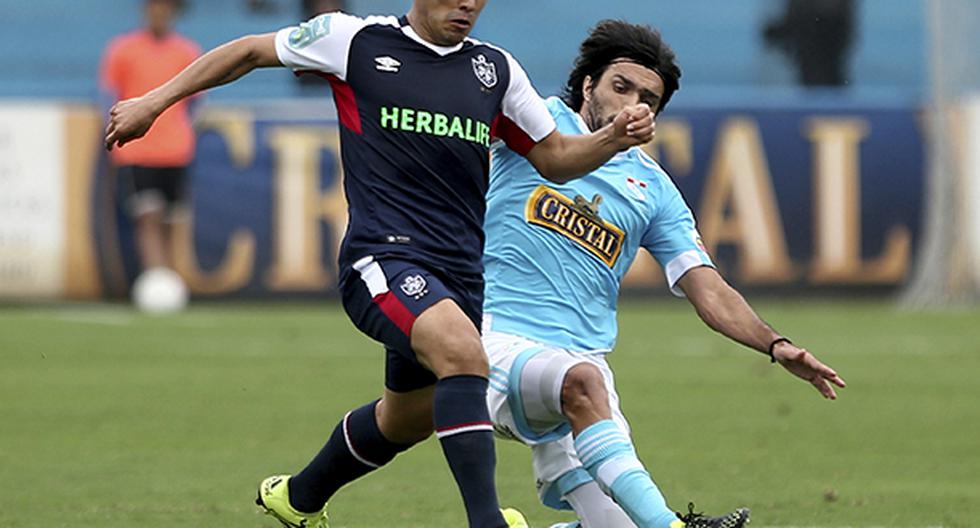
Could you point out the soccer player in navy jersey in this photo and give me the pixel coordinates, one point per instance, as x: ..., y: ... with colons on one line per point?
x: 418, y: 103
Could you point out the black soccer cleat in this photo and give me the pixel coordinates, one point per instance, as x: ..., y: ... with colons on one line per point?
x: 735, y: 519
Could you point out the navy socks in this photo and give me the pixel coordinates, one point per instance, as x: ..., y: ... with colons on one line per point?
x: 466, y: 433
x: 355, y: 448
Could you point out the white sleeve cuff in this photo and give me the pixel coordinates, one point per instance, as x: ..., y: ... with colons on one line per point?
x: 681, y: 264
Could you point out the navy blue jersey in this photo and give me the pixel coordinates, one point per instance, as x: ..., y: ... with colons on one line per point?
x: 416, y: 121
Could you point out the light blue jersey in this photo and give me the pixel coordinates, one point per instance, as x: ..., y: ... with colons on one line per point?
x: 556, y: 254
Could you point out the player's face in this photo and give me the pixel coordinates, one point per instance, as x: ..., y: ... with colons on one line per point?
x: 445, y: 22
x: 622, y: 84
x: 160, y: 16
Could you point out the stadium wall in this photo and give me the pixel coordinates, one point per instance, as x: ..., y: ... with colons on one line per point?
x: 799, y: 198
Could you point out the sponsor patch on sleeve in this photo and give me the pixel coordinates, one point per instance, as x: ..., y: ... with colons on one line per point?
x: 309, y: 32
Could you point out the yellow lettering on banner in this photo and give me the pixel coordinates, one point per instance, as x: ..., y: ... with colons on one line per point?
x: 739, y: 206
x: 674, y: 144
x: 235, y: 270
x: 237, y: 127
x: 333, y: 202
x: 837, y: 195
x: 297, y: 253
x: 233, y: 273
x: 83, y: 126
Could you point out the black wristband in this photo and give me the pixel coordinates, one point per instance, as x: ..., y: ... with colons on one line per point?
x: 778, y: 340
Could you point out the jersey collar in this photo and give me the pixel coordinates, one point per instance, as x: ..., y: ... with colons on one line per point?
x: 574, y: 116
x: 442, y: 51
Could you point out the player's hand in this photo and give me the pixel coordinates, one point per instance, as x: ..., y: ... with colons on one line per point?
x: 634, y: 126
x: 804, y: 365
x: 129, y: 120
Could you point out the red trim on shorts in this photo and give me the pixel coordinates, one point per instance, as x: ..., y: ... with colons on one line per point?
x: 397, y: 312
x: 515, y: 137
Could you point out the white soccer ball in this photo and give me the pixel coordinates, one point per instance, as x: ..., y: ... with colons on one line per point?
x: 160, y: 291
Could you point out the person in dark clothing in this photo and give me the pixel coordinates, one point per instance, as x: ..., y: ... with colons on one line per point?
x: 817, y: 35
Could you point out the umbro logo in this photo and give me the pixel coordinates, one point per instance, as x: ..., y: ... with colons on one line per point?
x: 387, y: 64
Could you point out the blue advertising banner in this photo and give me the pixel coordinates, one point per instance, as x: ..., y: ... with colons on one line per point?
x: 785, y: 198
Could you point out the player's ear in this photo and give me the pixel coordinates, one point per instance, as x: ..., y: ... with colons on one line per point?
x: 587, y: 87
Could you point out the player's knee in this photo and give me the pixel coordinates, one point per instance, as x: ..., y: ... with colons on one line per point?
x: 448, y: 343
x: 459, y: 354
x: 583, y: 389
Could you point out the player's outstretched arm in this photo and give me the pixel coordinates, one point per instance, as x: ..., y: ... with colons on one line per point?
x: 132, y: 118
x: 561, y: 158
x: 726, y: 311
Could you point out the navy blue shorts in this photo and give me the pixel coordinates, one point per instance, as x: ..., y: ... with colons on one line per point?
x: 384, y: 297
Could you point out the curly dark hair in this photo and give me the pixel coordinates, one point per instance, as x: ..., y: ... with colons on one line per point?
x: 613, y: 40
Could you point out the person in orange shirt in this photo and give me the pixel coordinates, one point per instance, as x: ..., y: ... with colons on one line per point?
x: 152, y: 171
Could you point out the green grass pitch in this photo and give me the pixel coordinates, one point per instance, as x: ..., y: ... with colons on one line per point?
x: 113, y: 419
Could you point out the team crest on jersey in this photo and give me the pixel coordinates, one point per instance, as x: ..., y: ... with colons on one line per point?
x: 414, y: 286
x: 636, y: 188
x: 485, y: 71
x: 578, y: 220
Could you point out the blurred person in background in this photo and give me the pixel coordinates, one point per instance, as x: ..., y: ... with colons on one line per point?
x: 817, y: 36
x: 555, y: 257
x: 152, y: 172
x: 418, y: 104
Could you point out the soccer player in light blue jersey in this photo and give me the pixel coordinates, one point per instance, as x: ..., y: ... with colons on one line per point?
x: 555, y: 256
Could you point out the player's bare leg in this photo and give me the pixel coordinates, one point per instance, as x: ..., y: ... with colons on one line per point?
x: 447, y: 342
x: 406, y: 417
x: 608, y: 455
x: 584, y: 399
x: 152, y: 240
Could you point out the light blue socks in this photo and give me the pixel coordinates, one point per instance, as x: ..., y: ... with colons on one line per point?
x: 608, y: 455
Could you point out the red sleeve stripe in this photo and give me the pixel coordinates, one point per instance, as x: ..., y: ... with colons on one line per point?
x: 343, y: 95
x: 516, y: 138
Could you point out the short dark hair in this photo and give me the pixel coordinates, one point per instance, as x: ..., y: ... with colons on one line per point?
x: 612, y: 40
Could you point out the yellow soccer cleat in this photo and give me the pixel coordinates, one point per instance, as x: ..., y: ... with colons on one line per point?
x: 273, y: 499
x: 514, y: 518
